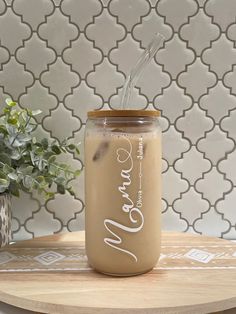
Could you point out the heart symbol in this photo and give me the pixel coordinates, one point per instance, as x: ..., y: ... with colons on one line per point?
x: 122, y: 155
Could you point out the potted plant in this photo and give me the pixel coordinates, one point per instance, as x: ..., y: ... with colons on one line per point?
x: 27, y: 163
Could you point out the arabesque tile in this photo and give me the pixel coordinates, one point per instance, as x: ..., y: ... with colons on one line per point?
x: 67, y: 57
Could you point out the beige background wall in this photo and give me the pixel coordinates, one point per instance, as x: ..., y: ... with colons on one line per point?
x: 67, y: 57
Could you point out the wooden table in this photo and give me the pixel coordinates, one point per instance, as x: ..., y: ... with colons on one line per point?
x: 179, y: 283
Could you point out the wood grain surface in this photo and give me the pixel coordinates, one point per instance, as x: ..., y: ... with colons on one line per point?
x: 195, y: 288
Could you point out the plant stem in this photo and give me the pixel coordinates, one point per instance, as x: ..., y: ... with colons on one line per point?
x: 25, y: 126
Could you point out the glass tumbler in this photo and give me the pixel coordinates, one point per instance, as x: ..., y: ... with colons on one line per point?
x: 123, y: 191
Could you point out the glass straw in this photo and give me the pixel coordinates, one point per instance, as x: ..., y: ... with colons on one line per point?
x: 137, y: 70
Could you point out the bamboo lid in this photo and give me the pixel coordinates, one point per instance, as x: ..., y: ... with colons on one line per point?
x: 123, y: 113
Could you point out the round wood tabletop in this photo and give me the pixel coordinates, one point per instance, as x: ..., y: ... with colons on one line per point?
x: 195, y: 274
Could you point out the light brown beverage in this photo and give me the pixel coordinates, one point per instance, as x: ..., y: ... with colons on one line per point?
x: 123, y: 200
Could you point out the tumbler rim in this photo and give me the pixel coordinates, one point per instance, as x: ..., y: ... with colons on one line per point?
x: 123, y: 113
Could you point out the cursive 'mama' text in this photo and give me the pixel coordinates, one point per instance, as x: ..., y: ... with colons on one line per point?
x: 134, y: 214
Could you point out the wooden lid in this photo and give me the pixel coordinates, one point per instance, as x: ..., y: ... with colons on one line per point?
x: 123, y: 113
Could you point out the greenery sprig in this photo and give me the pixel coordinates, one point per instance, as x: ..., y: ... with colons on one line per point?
x: 27, y: 163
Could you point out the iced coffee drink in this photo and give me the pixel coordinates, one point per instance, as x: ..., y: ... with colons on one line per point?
x: 123, y: 191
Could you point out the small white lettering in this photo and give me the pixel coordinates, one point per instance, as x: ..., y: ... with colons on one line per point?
x: 140, y: 199
x: 140, y: 149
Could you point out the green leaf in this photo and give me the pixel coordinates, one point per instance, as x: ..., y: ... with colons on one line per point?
x: 60, y: 180
x: 26, y: 170
x: 6, y: 110
x: 3, y: 188
x: 48, y: 155
x: 15, y: 155
x: 3, y: 175
x: 37, y: 144
x: 29, y: 112
x: 14, y: 189
x: 48, y: 180
x: 4, y: 182
x: 77, y: 173
x: 15, y: 143
x: 44, y: 143
x: 63, y: 166
x: 30, y: 127
x: 36, y: 112
x: 71, y: 146
x: 5, y: 159
x: 28, y: 146
x: 10, y: 103
x: 13, y: 176
x: 28, y: 182
x: 41, y: 164
x: 52, y: 170
x: 12, y: 121
x: 3, y: 130
x: 24, y: 138
x: 40, y: 179
x: 24, y: 115
x: 50, y: 195
x: 7, y: 169
x: 32, y: 158
x: 61, y: 189
x: 56, y: 149
x: 70, y: 190
x: 39, y: 150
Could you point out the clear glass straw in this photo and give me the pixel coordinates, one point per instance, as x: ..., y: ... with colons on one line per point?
x: 137, y: 70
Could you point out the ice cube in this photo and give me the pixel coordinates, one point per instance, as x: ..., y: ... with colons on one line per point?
x: 101, y: 151
x: 144, y: 148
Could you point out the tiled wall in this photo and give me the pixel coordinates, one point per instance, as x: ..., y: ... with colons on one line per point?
x: 71, y: 56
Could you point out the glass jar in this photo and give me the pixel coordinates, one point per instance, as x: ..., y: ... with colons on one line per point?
x: 123, y: 191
